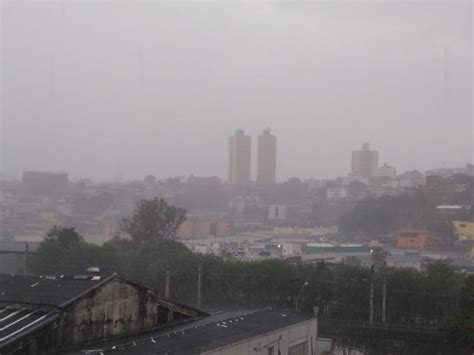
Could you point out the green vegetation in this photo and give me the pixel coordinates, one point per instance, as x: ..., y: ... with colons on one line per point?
x: 414, y: 209
x: 436, y: 296
x: 64, y: 251
x: 460, y: 327
x: 154, y: 220
x: 385, y: 214
x: 342, y: 291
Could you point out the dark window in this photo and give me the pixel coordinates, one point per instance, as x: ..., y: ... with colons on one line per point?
x: 162, y: 315
x: 299, y: 349
x: 270, y: 350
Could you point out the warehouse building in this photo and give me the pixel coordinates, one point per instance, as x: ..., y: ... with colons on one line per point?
x: 43, y: 314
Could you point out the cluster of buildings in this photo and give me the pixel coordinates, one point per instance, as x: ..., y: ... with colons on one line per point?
x: 29, y: 208
x: 218, y: 209
x: 408, y: 247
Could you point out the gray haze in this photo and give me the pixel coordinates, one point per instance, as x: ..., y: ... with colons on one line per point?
x: 126, y: 89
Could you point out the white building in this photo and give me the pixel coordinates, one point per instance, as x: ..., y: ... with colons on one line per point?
x: 277, y: 212
x: 336, y: 193
x: 386, y: 171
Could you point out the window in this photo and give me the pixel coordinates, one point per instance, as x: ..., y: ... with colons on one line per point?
x: 271, y: 350
x: 162, y: 315
x: 462, y: 225
x: 298, y: 349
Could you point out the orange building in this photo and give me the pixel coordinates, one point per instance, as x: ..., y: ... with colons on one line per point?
x: 223, y: 228
x: 204, y: 227
x: 185, y: 229
x: 413, y: 238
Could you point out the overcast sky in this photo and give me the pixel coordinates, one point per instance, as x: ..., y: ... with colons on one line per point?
x: 124, y: 89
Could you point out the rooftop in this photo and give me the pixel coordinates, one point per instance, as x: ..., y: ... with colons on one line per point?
x: 16, y: 322
x: 205, y: 334
x: 49, y: 291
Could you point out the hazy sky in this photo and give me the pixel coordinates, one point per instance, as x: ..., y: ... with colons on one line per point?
x: 108, y: 89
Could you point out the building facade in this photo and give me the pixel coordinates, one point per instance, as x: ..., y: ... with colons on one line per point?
x: 386, y: 171
x: 240, y: 150
x: 464, y: 230
x: 291, y: 339
x: 266, y: 159
x: 413, y: 238
x: 196, y: 226
x: 46, y: 314
x: 365, y: 162
x: 264, y: 331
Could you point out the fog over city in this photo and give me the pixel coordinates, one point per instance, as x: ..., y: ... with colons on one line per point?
x: 111, y: 90
x: 236, y: 177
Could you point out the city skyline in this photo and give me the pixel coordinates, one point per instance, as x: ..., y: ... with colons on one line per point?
x: 384, y: 169
x: 167, y: 166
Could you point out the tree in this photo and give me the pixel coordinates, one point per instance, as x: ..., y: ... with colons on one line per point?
x: 64, y: 237
x: 460, y: 329
x: 154, y: 220
x: 63, y: 250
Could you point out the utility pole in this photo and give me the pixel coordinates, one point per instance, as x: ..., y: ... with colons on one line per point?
x: 384, y: 297
x: 167, y: 283
x: 371, y: 314
x: 337, y: 287
x: 306, y: 283
x: 199, y: 285
x: 293, y: 293
x: 25, y: 267
x: 248, y: 291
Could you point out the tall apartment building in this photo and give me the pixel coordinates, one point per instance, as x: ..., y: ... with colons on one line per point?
x: 365, y: 162
x: 240, y: 147
x: 266, y: 159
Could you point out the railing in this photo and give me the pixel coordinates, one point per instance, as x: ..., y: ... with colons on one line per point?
x: 387, y: 330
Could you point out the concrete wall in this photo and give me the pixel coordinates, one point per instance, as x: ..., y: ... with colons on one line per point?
x: 12, y: 263
x: 116, y: 308
x: 281, y: 339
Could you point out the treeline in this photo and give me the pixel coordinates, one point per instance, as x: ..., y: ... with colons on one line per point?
x: 414, y: 209
x: 384, y: 215
x: 432, y: 297
x: 437, y: 296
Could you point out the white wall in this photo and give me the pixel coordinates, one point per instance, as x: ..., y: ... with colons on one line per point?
x: 281, y: 339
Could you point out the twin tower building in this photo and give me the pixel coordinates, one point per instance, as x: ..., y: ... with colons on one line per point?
x: 240, y: 152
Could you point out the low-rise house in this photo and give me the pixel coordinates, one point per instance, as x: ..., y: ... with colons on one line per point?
x: 464, y: 230
x: 413, y: 238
